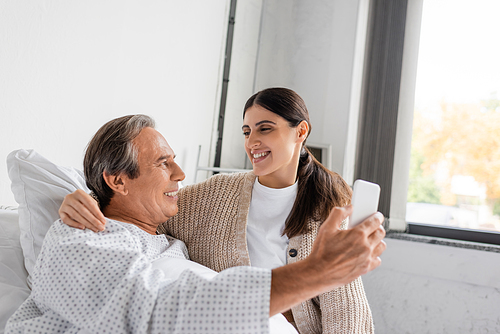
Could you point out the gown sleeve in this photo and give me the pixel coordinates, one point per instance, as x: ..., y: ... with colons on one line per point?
x: 105, y: 283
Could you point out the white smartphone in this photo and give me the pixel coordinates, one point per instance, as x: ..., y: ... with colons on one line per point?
x: 364, y: 201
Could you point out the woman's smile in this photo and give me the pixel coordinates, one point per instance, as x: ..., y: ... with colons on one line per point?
x: 259, y: 156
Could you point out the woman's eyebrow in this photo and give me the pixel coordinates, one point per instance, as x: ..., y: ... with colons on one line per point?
x: 259, y: 123
x: 263, y: 122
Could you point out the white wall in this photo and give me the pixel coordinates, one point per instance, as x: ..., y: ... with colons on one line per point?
x: 316, y: 48
x: 426, y: 288
x: 241, y: 80
x: 66, y: 67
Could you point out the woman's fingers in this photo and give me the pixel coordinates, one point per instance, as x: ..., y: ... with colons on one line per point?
x: 80, y: 214
x: 81, y: 211
x: 90, y: 211
x: 70, y: 222
x: 72, y: 217
x: 91, y: 207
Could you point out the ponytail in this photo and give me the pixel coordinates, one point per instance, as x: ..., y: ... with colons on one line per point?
x: 319, y: 191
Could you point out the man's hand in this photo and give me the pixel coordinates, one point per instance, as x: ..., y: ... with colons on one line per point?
x: 81, y: 211
x: 340, y: 256
x: 337, y: 258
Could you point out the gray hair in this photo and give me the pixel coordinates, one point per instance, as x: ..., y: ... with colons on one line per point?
x: 111, y: 151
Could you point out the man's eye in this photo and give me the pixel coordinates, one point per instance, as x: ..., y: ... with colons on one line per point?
x: 246, y: 133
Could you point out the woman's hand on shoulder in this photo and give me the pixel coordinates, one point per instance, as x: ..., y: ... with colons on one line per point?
x: 80, y: 210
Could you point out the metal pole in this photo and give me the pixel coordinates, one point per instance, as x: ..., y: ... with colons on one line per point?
x: 225, y: 82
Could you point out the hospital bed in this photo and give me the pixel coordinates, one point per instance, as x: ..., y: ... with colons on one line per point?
x: 39, y: 187
x: 13, y: 285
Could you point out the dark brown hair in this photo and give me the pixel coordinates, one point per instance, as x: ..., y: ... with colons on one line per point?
x: 111, y: 150
x: 319, y: 189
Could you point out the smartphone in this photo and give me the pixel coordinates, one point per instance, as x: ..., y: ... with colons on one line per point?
x: 364, y: 201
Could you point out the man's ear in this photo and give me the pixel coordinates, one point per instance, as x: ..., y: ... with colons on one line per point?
x: 302, y: 131
x: 116, y: 182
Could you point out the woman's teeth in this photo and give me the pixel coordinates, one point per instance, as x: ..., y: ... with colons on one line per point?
x: 258, y: 155
x: 172, y: 193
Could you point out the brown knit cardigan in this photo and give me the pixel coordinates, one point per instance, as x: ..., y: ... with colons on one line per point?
x: 212, y: 222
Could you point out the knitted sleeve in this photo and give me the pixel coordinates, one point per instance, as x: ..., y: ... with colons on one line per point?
x: 207, y: 221
x: 344, y: 310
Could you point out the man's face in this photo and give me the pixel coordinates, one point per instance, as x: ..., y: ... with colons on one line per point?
x: 154, y: 192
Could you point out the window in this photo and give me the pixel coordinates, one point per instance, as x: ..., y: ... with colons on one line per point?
x: 454, y: 176
x: 451, y: 177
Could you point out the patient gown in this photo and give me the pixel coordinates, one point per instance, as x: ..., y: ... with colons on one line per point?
x: 107, y: 282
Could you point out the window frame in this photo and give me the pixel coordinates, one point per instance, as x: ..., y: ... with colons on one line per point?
x: 455, y: 233
x: 384, y: 145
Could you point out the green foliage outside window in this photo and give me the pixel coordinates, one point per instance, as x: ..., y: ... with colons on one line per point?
x: 422, y: 188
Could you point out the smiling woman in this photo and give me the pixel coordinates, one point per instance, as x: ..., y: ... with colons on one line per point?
x: 271, y: 216
x: 281, y: 127
x: 273, y: 146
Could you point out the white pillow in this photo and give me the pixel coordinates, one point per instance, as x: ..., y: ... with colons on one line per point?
x: 13, y: 287
x: 39, y: 187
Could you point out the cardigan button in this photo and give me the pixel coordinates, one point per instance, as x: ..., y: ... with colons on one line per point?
x: 292, y: 253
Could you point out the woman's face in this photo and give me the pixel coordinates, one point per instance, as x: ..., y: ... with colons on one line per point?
x: 272, y: 146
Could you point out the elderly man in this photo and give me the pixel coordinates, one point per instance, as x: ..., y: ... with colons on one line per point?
x: 128, y: 279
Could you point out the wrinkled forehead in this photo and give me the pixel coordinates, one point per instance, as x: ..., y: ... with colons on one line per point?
x: 151, y: 145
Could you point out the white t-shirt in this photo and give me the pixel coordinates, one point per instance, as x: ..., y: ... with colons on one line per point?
x: 268, y: 211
